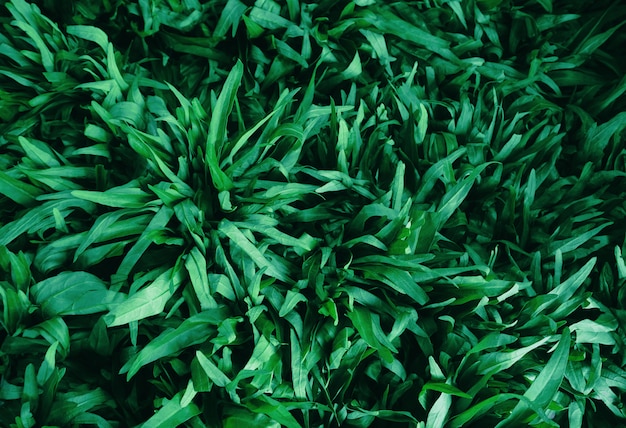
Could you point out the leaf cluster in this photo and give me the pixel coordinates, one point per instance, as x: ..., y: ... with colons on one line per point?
x: 337, y: 213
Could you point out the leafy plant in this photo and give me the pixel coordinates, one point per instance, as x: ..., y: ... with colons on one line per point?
x: 336, y: 213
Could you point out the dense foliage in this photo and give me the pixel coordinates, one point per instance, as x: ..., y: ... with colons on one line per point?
x: 239, y: 213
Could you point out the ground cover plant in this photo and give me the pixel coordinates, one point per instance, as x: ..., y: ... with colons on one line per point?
x: 241, y: 213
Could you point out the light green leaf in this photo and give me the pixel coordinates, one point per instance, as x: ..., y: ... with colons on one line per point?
x: 73, y: 407
x: 387, y: 22
x: 18, y: 191
x: 113, y: 69
x: 300, y: 382
x: 132, y: 256
x: 120, y: 197
x: 484, y: 406
x: 398, y: 279
x: 48, y: 365
x: 240, y: 240
x: 291, y: 300
x: 91, y: 33
x: 493, y: 340
x: 445, y: 388
x: 438, y: 413
x: 437, y: 170
x: 362, y: 320
x: 619, y: 259
x: 574, y: 242
x: 262, y: 353
x: 148, y: 301
x: 193, y: 331
x: 41, y: 154
x: 172, y: 414
x: 299, y: 244
x: 217, y: 128
x: 499, y: 361
x: 589, y: 331
x: 100, y: 227
x: 249, y: 420
x: 54, y: 330
x: 276, y: 410
x: 273, y: 21
x: 546, y: 384
x: 456, y: 195
x: 47, y: 57
x: 196, y: 266
x: 74, y: 293
x: 212, y: 371
x: 354, y: 69
x: 566, y: 289
x: 230, y: 17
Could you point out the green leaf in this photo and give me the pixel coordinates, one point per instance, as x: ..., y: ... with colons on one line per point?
x: 100, y: 227
x: 47, y: 57
x: 113, y: 69
x: 428, y: 181
x: 456, y: 195
x: 15, y: 306
x: 499, y: 361
x: 116, y: 197
x: 54, y: 330
x: 39, y: 153
x: 19, y: 192
x: 212, y: 371
x: 74, y: 293
x: 438, y: 413
x: 591, y: 44
x: 230, y: 17
x: 589, y: 331
x: 48, y: 365
x: 264, y: 225
x: 574, y: 242
x: 387, y: 22
x: 196, y: 266
x: 194, y: 330
x: 493, y: 340
x: 291, y: 300
x: 399, y: 280
x: 148, y: 301
x: 240, y: 240
x: 546, y: 384
x: 484, y: 406
x: 217, y: 128
x: 132, y: 256
x: 129, y: 112
x: 249, y: 420
x: 445, y: 388
x: 300, y: 381
x: 90, y: 33
x: 30, y: 393
x: 273, y: 21
x: 274, y: 409
x: 367, y: 328
x: 74, y: 407
x: 619, y: 259
x: 172, y: 414
x: 261, y: 355
x: 567, y: 288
